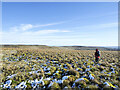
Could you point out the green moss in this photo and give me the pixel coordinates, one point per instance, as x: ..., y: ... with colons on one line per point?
x: 46, y: 82
x: 93, y: 69
x: 92, y: 87
x: 58, y: 76
x: 71, y: 78
x: 65, y: 83
x: 53, y: 68
x: 55, y: 86
x: 81, y: 83
x: 28, y: 85
x: 74, y: 72
x: 68, y: 87
x: 95, y: 81
x: 79, y: 69
x: 49, y: 74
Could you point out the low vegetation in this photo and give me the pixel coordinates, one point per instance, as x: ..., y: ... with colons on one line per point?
x: 55, y: 68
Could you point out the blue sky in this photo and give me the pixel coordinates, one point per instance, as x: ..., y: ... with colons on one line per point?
x: 60, y: 24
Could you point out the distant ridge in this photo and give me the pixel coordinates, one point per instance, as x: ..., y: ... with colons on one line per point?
x: 90, y: 48
x: 62, y: 47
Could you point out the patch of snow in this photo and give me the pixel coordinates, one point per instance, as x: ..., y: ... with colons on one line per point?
x: 47, y: 72
x: 32, y: 68
x: 47, y: 79
x: 112, y: 68
x: 106, y: 83
x: 73, y: 85
x: 79, y: 79
x: 48, y: 69
x: 65, y: 87
x: 59, y: 81
x: 113, y: 71
x: 54, y: 80
x: 7, y: 84
x: 65, y: 77
x: 88, y: 69
x: 109, y: 84
x: 91, y: 77
x: 34, y: 71
x: 11, y: 76
x: 56, y: 72
x: 51, y: 83
x: 88, y: 66
x: 36, y: 82
x: 103, y: 71
x: 21, y: 85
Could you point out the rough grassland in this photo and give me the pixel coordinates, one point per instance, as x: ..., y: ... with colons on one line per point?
x: 58, y: 68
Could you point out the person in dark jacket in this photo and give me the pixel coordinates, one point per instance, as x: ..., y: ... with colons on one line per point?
x: 97, y: 55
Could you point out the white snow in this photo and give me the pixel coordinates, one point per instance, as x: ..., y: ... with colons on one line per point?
x: 7, y: 84
x: 91, y: 77
x: 88, y: 69
x: 21, y: 85
x: 112, y: 68
x: 46, y: 69
x: 73, y: 85
x: 55, y: 80
x: 11, y: 76
x: 65, y: 87
x: 57, y: 71
x: 36, y: 82
x: 113, y: 71
x: 34, y: 71
x: 107, y: 84
x: 88, y: 66
x: 51, y: 83
x: 77, y: 80
x: 47, y: 72
x: 59, y: 81
x: 47, y: 79
x: 65, y: 77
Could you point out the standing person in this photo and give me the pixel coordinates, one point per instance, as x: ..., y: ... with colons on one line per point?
x: 97, y: 55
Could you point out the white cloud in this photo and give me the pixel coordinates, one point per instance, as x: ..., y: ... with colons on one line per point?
x: 43, y: 37
x: 22, y: 27
x: 48, y: 24
x: 66, y: 31
x: 98, y: 26
x: 25, y: 33
x: 25, y: 27
x: 0, y: 33
x: 44, y: 32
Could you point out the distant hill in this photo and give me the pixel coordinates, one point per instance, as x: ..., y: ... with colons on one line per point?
x: 28, y: 46
x: 61, y: 47
x: 89, y: 48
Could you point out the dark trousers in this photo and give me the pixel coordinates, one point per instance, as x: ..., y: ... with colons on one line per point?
x: 96, y: 59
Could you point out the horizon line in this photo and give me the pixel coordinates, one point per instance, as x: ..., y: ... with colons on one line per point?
x: 57, y: 45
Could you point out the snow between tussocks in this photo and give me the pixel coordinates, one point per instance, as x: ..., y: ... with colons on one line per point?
x: 21, y: 85
x: 91, y: 77
x: 7, y: 84
x: 79, y: 79
x: 65, y: 77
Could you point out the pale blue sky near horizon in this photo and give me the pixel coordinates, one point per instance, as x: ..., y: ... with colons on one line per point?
x: 60, y: 24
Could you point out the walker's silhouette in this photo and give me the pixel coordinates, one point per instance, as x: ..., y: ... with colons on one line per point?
x: 97, y: 55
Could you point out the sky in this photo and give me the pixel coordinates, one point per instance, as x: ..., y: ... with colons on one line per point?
x: 60, y: 23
